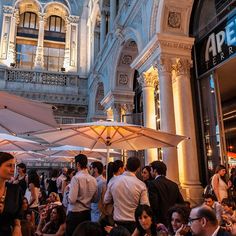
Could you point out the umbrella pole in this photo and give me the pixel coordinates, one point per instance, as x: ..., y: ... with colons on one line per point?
x: 107, y: 161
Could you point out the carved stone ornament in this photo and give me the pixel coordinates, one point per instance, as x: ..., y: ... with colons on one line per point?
x: 73, y: 19
x: 182, y: 67
x: 126, y: 59
x: 164, y: 65
x: 123, y: 79
x: 174, y: 20
x: 7, y: 9
x: 148, y: 80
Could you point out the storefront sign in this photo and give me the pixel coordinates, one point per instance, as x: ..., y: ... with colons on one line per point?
x: 217, y: 46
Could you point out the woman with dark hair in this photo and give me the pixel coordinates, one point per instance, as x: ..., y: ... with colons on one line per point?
x: 21, y: 177
x: 114, y: 169
x: 32, y: 192
x: 146, y: 174
x: 146, y: 225
x: 219, y: 183
x: 52, y: 182
x: 56, y: 225
x: 178, y: 220
x: 10, y: 198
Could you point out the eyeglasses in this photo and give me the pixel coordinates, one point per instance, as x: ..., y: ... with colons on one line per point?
x: 190, y: 220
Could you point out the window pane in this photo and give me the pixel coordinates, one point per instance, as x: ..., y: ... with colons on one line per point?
x: 52, y: 23
x: 58, y: 24
x: 54, y: 52
x: 27, y: 20
x: 32, y: 20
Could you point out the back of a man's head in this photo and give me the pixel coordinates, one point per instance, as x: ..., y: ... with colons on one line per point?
x: 207, y: 213
x: 98, y: 165
x: 82, y: 160
x: 160, y: 167
x: 133, y: 163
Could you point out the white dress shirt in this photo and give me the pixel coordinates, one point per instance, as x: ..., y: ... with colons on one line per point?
x: 127, y: 192
x: 83, y: 190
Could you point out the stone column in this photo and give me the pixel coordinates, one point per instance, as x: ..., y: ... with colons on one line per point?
x: 5, y: 34
x: 15, y: 20
x: 66, y: 63
x: 117, y: 111
x: 39, y: 60
x: 113, y: 11
x: 187, y: 150
x: 148, y: 82
x: 167, y: 115
x: 102, y: 29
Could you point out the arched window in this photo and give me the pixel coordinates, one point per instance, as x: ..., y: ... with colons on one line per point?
x: 55, y: 24
x: 28, y: 20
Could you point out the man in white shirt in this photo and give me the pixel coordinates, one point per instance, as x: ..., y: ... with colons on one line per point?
x: 127, y: 192
x: 83, y: 190
x: 96, y: 169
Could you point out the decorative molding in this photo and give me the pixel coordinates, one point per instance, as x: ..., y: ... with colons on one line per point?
x: 126, y: 59
x: 123, y: 79
x: 73, y: 19
x: 7, y: 9
x: 174, y: 19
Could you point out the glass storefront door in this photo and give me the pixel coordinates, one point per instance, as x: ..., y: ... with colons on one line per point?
x: 226, y: 75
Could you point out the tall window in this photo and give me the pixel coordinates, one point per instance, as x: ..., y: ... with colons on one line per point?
x: 28, y: 20
x: 25, y: 55
x: 55, y: 24
x: 53, y: 58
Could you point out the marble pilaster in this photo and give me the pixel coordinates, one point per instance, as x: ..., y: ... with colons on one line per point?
x: 187, y: 150
x: 148, y: 82
x: 39, y: 60
x: 167, y: 114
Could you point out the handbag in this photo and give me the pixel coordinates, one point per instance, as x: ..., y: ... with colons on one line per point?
x: 209, y: 190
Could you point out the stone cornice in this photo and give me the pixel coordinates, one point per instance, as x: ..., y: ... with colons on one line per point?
x: 117, y: 96
x: 173, y: 45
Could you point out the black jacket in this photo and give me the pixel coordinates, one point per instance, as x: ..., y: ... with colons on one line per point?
x: 163, y: 194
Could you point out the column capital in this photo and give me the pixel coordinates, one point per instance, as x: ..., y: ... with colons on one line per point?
x: 182, y: 66
x: 128, y: 108
x: 7, y: 9
x: 72, y: 19
x: 148, y: 79
x: 164, y: 65
x: 42, y: 16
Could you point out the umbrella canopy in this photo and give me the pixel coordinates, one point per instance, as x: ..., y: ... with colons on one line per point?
x: 117, y: 135
x: 27, y: 156
x: 71, y: 151
x: 12, y: 143
x: 19, y: 115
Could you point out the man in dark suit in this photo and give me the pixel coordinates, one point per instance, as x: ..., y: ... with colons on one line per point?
x: 163, y: 193
x: 203, y: 222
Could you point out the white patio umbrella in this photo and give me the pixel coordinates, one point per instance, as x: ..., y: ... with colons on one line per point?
x: 107, y: 134
x: 19, y: 115
x: 71, y: 151
x: 27, y: 156
x: 12, y: 143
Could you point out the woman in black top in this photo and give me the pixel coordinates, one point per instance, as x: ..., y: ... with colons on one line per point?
x: 10, y: 198
x: 21, y: 177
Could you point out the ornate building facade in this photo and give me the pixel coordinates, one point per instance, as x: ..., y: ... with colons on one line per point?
x: 125, y: 60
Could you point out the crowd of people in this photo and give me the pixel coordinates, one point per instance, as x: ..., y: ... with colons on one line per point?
x: 88, y: 201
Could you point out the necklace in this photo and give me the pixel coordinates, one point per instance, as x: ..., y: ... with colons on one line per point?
x: 2, y: 200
